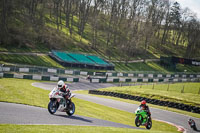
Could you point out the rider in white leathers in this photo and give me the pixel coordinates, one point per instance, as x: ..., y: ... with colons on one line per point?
x: 65, y: 91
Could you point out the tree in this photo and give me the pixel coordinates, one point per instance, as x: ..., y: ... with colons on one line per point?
x: 70, y: 9
x: 95, y: 20
x: 84, y: 6
x: 175, y: 15
x: 3, y: 22
x: 167, y: 23
x: 57, y: 7
x: 193, y: 35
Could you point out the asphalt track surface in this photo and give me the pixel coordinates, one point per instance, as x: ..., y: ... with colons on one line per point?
x: 29, y: 115
x: 41, y: 116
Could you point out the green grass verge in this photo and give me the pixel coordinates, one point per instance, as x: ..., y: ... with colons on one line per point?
x: 8, y: 128
x: 178, y: 92
x: 21, y: 91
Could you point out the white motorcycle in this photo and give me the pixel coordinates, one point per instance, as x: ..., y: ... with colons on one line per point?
x: 58, y: 102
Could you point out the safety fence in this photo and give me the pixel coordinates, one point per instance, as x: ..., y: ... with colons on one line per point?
x: 53, y: 71
x: 180, y: 106
x: 38, y: 77
x: 117, y: 80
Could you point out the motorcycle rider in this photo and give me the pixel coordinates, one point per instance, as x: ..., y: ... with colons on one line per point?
x: 66, y: 93
x: 146, y: 108
x: 192, y: 124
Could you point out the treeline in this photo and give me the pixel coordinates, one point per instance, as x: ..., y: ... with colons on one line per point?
x: 129, y: 26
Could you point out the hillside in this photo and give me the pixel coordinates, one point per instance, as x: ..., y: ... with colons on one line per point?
x: 38, y: 26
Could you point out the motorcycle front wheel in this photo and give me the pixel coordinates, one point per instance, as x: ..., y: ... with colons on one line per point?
x: 137, y: 121
x: 71, y: 109
x: 52, y: 107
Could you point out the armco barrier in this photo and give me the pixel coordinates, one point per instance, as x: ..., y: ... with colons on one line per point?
x: 27, y: 76
x: 63, y: 78
x: 180, y: 106
x: 121, y: 80
x: 8, y: 75
x: 30, y: 69
x: 46, y: 78
x: 38, y: 77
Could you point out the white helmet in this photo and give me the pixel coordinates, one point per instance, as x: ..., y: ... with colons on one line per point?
x: 60, y: 84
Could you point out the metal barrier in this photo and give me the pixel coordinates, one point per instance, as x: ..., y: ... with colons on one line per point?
x: 110, y: 76
x: 38, y: 77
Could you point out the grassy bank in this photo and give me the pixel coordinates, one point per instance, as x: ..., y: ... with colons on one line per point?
x: 154, y: 67
x: 187, y: 93
x: 42, y: 60
x: 21, y: 91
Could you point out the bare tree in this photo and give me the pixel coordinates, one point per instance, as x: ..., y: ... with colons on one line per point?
x: 56, y: 11
x: 4, y: 21
x: 70, y: 9
x: 193, y: 35
x: 95, y: 20
x: 167, y: 23
x: 84, y: 6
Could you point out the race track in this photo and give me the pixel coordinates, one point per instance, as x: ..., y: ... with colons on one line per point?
x: 35, y: 115
x: 174, y: 118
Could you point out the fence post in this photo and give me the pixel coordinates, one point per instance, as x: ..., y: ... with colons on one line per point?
x: 140, y: 85
x: 168, y: 88
x: 42, y: 70
x: 182, y: 91
x: 34, y: 67
x: 58, y: 71
x: 14, y: 68
x: 2, y: 65
x: 120, y: 84
x: 2, y: 69
x: 153, y: 86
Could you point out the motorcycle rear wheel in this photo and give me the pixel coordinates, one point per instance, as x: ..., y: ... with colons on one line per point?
x: 51, y: 108
x: 71, y: 109
x: 194, y: 127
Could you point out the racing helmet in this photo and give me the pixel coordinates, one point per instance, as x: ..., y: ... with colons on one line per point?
x: 60, y: 84
x: 143, y: 102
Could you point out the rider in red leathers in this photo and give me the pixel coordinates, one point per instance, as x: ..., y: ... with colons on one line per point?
x: 146, y: 108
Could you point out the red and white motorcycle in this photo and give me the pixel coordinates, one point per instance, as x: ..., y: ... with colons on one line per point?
x: 59, y: 103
